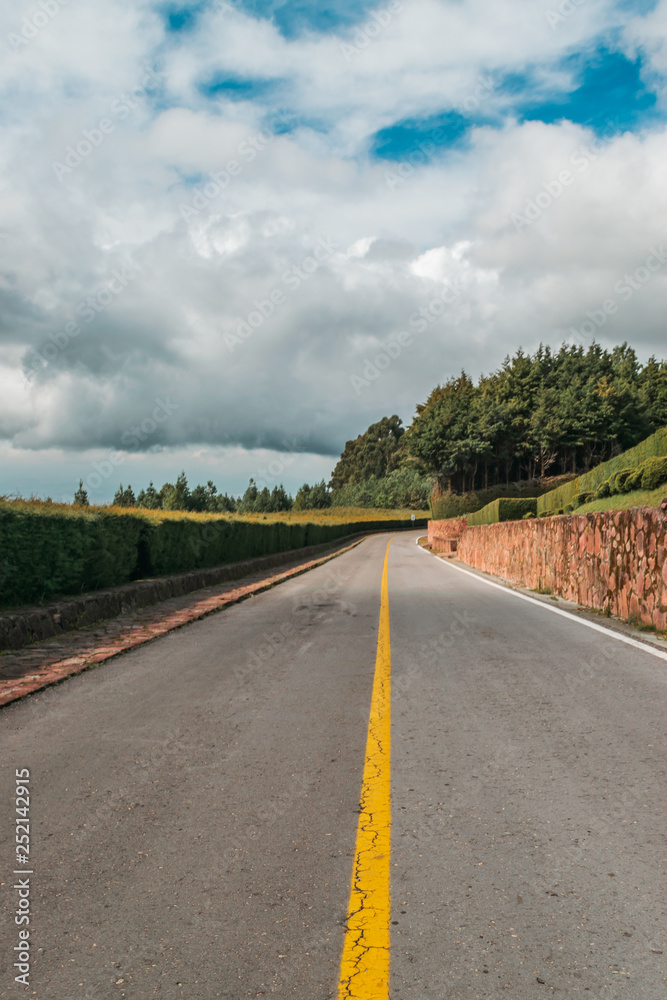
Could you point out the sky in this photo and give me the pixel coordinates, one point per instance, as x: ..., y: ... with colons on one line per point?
x: 233, y: 235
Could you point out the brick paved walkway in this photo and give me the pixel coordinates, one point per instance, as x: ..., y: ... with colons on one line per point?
x: 27, y: 670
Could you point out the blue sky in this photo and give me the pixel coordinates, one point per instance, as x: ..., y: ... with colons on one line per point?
x: 292, y: 17
x: 597, y: 85
x: 263, y: 268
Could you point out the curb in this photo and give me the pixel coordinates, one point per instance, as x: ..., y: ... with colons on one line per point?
x: 25, y: 626
x: 55, y: 673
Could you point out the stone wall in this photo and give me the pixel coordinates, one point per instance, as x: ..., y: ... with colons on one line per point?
x: 611, y: 561
x: 443, y: 536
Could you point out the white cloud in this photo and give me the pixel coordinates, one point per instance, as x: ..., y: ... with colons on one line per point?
x: 648, y: 35
x: 196, y: 276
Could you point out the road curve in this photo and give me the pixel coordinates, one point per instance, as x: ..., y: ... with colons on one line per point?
x: 194, y: 804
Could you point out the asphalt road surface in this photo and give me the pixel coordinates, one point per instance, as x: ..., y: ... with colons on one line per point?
x: 194, y: 804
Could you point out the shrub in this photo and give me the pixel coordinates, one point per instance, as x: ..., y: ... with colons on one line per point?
x: 513, y: 509
x: 618, y: 480
x: 633, y: 482
x: 399, y: 490
x: 446, y: 505
x: 49, y: 551
x: 654, y: 473
x: 653, y: 446
x: 504, y: 509
x: 581, y: 498
x: 603, y: 490
x: 52, y: 552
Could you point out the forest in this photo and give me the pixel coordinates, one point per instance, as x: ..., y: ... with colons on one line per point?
x: 547, y: 414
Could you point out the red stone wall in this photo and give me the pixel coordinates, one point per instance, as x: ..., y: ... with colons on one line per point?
x: 443, y: 535
x: 613, y: 560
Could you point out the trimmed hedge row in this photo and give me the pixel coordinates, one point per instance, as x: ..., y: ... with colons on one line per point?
x: 445, y: 505
x: 648, y: 476
x: 57, y: 553
x: 654, y: 446
x: 504, y: 509
x: 46, y: 554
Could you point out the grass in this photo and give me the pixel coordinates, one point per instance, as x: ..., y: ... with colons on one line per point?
x: 623, y: 501
x: 329, y: 515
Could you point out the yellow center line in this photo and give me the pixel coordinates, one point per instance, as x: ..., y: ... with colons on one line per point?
x: 364, y: 971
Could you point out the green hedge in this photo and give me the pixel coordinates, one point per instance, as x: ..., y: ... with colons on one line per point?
x: 653, y: 447
x: 51, y: 552
x: 504, y: 509
x: 446, y: 505
x: 46, y: 554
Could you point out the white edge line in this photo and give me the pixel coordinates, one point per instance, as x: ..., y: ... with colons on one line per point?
x: 628, y: 640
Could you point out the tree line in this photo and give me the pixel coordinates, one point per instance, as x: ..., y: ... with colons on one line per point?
x: 207, y: 499
x: 551, y: 413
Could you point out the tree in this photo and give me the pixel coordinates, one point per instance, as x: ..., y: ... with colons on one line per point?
x: 124, y: 497
x: 302, y: 499
x: 149, y: 498
x: 198, y: 499
x: 225, y: 504
x: 248, y: 503
x: 373, y: 454
x: 263, y: 501
x: 314, y: 497
x: 319, y: 497
x: 280, y: 500
x: 653, y: 392
x: 178, y: 497
x: 81, y: 496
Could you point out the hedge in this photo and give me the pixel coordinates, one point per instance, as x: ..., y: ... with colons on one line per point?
x: 654, y: 446
x: 46, y: 554
x: 445, y: 505
x: 654, y: 473
x: 57, y: 553
x: 504, y: 509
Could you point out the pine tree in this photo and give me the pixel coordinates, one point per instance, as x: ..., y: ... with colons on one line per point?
x: 129, y: 499
x: 248, y: 503
x: 81, y: 496
x: 149, y: 498
x: 178, y: 496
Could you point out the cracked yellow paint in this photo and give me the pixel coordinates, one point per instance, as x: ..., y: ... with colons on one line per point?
x: 364, y: 972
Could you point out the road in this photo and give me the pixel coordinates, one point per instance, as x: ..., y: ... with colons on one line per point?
x: 194, y: 804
